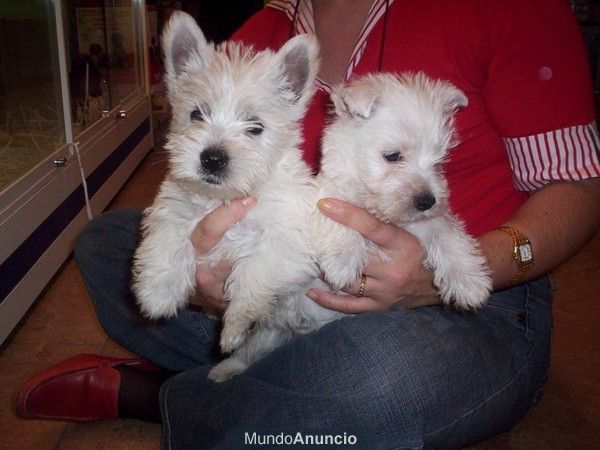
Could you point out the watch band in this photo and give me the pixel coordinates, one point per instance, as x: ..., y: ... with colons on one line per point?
x: 522, y: 252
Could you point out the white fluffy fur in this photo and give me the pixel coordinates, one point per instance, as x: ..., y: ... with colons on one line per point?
x: 219, y: 97
x: 412, y: 115
x: 234, y: 90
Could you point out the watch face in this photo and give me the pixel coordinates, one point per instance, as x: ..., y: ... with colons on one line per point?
x: 525, y: 253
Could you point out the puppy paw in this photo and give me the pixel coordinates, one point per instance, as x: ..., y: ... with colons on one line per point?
x: 158, y: 305
x: 339, y: 272
x: 226, y: 369
x: 161, y: 292
x: 469, y: 293
x: 232, y: 337
x: 156, y: 312
x: 475, y: 293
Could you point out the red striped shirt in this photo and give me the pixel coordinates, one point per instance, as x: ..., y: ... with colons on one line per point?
x: 523, y: 66
x: 566, y: 154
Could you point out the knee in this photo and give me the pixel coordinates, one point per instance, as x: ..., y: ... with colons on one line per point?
x: 377, y: 379
x: 105, y: 231
x: 403, y: 359
x: 384, y: 364
x: 414, y: 372
x: 379, y: 338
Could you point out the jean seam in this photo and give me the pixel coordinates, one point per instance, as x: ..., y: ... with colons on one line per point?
x: 487, y: 399
x: 527, y: 318
x: 200, y: 327
x: 505, y: 309
x: 532, y: 295
x: 201, y: 330
x: 167, y: 423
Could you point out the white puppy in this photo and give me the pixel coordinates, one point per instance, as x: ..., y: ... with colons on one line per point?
x: 235, y: 132
x: 384, y: 152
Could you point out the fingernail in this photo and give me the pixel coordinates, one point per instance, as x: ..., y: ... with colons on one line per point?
x: 329, y: 206
x: 247, y: 201
x: 313, y: 294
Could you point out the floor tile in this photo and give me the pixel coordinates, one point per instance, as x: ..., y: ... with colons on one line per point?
x: 113, y: 434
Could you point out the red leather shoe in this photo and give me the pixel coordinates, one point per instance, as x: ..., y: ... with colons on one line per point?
x: 81, y: 389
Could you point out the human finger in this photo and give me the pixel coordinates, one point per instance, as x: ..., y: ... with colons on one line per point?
x: 346, y: 304
x: 222, y: 270
x: 210, y: 230
x: 210, y: 305
x: 375, y: 266
x: 361, y: 220
x: 370, y: 288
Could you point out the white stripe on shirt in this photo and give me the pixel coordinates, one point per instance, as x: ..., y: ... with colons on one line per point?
x: 569, y: 154
x: 375, y: 13
x: 305, y: 24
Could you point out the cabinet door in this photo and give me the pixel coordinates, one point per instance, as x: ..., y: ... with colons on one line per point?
x: 73, y: 107
x: 31, y: 114
x: 124, y: 52
x: 106, y: 67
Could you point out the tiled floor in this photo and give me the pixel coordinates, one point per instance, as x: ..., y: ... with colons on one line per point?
x: 62, y: 323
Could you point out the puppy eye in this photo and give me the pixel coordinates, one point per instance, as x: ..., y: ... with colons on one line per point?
x: 196, y: 116
x: 255, y: 130
x: 393, y: 157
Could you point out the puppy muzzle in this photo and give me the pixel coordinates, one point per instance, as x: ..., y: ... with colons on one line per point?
x: 213, y: 164
x: 424, y: 201
x: 214, y: 160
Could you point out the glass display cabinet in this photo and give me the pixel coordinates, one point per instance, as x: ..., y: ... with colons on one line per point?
x: 74, y: 123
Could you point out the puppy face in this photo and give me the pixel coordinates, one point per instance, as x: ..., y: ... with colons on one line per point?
x: 392, y: 135
x: 235, y: 111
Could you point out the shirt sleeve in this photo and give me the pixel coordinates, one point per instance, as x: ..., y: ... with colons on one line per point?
x: 538, y: 91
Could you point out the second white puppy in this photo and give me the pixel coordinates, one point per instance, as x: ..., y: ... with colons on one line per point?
x: 384, y: 152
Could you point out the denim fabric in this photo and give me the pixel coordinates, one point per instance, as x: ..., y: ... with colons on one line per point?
x: 425, y: 378
x: 104, y: 252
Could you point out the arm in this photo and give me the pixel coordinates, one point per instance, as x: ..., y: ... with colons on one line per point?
x: 558, y: 219
x: 558, y: 216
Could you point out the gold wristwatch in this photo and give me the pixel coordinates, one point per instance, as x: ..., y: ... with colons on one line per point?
x: 522, y: 252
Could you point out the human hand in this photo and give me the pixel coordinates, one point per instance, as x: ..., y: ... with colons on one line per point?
x: 210, y: 280
x: 401, y: 281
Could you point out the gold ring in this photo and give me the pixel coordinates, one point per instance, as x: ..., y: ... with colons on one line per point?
x: 363, y: 286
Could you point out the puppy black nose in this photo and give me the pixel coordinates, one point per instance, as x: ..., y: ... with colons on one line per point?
x: 214, y: 159
x: 424, y: 201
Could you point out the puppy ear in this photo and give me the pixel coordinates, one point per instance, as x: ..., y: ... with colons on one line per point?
x: 299, y: 61
x: 182, y: 40
x: 455, y: 98
x: 358, y: 99
x: 452, y: 99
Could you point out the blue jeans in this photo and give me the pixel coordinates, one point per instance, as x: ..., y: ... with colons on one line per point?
x: 430, y: 377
